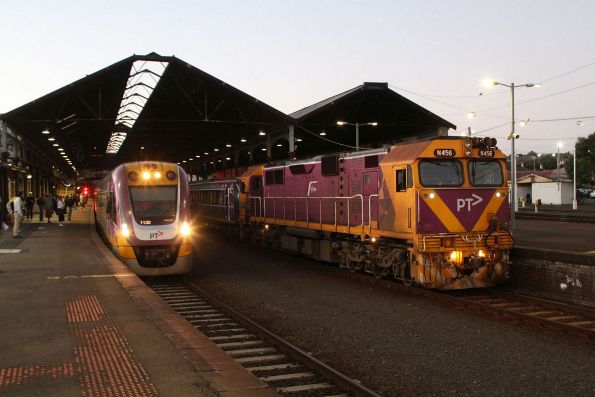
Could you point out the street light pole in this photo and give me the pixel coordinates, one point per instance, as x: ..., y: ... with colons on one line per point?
x: 512, y: 137
x: 574, y: 202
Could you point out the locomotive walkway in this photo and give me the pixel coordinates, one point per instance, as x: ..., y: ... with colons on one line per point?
x: 69, y: 326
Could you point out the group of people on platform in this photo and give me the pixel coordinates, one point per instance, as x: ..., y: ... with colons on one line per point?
x: 20, y: 207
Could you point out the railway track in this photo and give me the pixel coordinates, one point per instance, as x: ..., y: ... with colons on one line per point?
x: 567, y: 318
x: 559, y: 217
x: 283, y: 366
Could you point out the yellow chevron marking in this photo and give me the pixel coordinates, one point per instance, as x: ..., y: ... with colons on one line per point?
x: 492, y: 207
x: 442, y: 211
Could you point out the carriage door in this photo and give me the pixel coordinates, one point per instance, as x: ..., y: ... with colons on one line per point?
x: 370, y: 197
x: 256, y: 195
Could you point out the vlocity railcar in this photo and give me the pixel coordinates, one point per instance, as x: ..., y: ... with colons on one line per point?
x: 432, y: 213
x: 142, y: 210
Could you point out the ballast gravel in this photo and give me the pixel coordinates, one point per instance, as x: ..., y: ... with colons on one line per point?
x: 394, y: 342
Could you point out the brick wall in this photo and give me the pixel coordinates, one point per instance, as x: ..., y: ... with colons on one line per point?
x: 556, y: 275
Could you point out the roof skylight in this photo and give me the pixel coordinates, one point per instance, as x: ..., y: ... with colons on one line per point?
x: 144, y: 76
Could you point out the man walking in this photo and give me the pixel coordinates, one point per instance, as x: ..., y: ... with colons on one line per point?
x: 18, y: 215
x: 29, y: 204
x: 41, y: 205
x: 69, y: 205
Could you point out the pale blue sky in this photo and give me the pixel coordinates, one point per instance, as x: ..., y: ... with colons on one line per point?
x: 291, y: 54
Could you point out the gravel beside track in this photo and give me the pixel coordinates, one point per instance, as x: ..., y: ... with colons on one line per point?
x: 395, y: 342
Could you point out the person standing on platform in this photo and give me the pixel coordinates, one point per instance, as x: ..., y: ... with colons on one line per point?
x: 18, y: 215
x: 60, y: 209
x: 29, y: 204
x: 49, y: 207
x: 41, y: 205
x: 69, y: 204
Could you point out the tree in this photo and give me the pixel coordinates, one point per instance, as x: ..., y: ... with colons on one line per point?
x: 585, y: 161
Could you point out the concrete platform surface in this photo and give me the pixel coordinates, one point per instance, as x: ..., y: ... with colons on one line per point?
x: 554, y: 235
x: 76, y: 322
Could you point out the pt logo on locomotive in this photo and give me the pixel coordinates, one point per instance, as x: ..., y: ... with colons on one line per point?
x: 444, y: 152
x: 155, y: 235
x: 468, y: 202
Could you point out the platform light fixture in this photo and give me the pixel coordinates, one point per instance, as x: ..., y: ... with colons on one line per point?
x: 228, y: 145
x: 341, y: 123
x: 51, y: 139
x: 45, y: 132
x: 243, y: 140
x: 261, y: 133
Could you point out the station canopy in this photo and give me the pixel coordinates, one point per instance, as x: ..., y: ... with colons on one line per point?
x: 162, y: 108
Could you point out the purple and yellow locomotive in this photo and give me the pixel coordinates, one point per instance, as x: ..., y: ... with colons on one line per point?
x: 432, y: 213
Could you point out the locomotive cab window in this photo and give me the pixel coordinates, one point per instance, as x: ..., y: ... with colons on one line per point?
x: 274, y: 177
x: 154, y: 205
x: 401, y: 180
x: 439, y: 173
x: 485, y: 173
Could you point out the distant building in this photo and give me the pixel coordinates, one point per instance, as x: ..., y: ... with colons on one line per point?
x: 549, y: 186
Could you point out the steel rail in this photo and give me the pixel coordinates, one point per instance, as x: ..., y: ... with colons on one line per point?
x: 340, y: 379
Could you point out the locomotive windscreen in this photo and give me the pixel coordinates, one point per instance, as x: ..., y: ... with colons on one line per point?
x: 154, y: 205
x: 485, y: 173
x: 440, y: 173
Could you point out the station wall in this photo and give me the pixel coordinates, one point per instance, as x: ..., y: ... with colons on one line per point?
x: 555, y: 275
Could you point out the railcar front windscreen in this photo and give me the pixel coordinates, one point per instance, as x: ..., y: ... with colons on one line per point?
x: 436, y: 173
x: 154, y: 205
x: 485, y: 173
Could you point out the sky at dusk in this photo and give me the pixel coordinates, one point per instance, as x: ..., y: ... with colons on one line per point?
x: 291, y: 54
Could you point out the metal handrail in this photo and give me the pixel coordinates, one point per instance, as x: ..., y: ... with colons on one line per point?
x: 334, y: 198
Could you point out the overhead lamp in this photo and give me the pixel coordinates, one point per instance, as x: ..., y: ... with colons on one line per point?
x: 206, y: 153
x: 228, y: 158
x: 215, y: 150
x: 45, y: 132
x: 183, y: 161
x: 51, y: 139
x: 228, y: 145
x: 60, y: 149
x: 261, y: 133
x: 471, y: 115
x: 279, y: 145
x: 322, y: 133
x: 298, y: 140
x: 219, y: 160
x: 197, y: 156
x: 55, y: 144
x: 264, y: 149
x: 243, y: 140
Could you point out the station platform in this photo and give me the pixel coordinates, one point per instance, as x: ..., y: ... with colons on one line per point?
x: 76, y: 322
x: 577, y: 237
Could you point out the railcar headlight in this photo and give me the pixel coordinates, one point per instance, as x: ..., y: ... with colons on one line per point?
x: 456, y: 257
x: 185, y: 229
x: 157, y: 175
x: 124, y: 230
x: 146, y: 175
x: 432, y: 196
x: 498, y: 194
x: 481, y: 254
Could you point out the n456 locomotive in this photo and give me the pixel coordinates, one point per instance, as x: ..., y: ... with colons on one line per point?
x: 142, y: 210
x: 432, y: 213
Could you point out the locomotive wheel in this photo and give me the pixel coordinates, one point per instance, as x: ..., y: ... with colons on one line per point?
x: 396, y: 268
x: 344, y: 261
x: 406, y: 274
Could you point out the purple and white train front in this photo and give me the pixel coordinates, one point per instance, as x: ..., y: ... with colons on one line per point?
x: 143, y: 211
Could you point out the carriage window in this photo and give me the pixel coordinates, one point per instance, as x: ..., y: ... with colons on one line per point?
x: 409, y: 176
x: 329, y: 165
x: 436, y: 173
x: 401, y: 181
x: 485, y: 173
x: 274, y: 177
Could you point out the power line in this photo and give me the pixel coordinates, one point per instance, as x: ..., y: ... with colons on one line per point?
x: 567, y: 73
